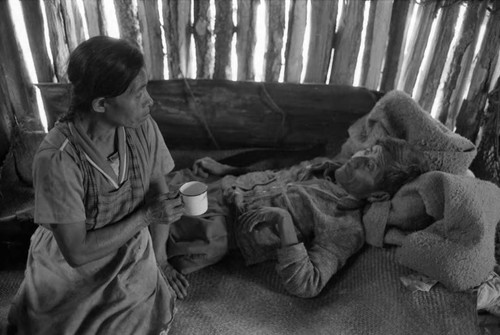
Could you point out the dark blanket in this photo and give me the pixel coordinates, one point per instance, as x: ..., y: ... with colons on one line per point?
x: 366, y: 297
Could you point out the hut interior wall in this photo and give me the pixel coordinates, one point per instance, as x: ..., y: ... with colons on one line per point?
x: 425, y: 47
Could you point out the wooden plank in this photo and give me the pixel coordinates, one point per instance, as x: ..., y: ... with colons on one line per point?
x: 16, y: 85
x: 460, y: 63
x: 295, y: 41
x: 171, y: 31
x: 426, y: 13
x: 176, y: 16
x: 470, y: 114
x: 184, y: 29
x: 223, y: 31
x: 202, y: 34
x: 94, y: 14
x: 486, y: 165
x: 381, y: 26
x: 275, y: 19
x: 33, y: 18
x: 322, y: 25
x: 444, y: 32
x: 347, y: 43
x: 5, y: 127
x: 246, y: 38
x: 407, y: 39
x: 58, y: 38
x: 73, y: 23
x: 6, y: 106
x: 370, y: 32
x: 149, y: 20
x: 128, y: 23
x: 395, y: 46
x: 245, y: 114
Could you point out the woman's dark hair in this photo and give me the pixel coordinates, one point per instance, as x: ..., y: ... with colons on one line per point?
x: 101, y: 66
x: 404, y: 162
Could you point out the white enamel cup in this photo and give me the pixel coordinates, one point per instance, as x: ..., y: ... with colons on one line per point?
x: 194, y: 197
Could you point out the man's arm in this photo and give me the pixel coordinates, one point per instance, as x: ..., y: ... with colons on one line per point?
x: 305, y: 272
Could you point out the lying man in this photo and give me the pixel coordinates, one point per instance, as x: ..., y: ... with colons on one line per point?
x: 307, y: 217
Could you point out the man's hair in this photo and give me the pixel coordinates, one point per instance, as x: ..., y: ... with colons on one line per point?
x: 403, y: 163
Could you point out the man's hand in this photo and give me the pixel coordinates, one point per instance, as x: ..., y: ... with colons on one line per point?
x: 164, y: 209
x: 206, y: 166
x: 263, y: 217
x: 273, y: 217
x: 177, y: 280
x: 394, y: 236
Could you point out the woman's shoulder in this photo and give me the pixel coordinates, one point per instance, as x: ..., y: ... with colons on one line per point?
x: 56, y: 144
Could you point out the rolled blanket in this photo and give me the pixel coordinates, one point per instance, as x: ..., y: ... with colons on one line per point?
x: 452, y: 220
x: 396, y: 114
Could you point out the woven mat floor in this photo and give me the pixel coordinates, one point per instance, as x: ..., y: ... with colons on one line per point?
x: 365, y: 298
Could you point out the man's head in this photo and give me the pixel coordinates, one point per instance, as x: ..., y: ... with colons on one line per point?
x: 381, y: 170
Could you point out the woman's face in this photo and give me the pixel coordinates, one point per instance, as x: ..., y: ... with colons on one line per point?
x: 361, y: 175
x: 132, y: 107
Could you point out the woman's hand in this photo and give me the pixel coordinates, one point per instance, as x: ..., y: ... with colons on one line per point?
x: 206, y: 166
x: 177, y: 280
x: 164, y: 209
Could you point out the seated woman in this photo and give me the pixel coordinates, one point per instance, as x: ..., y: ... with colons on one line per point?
x: 308, y: 217
x: 98, y: 179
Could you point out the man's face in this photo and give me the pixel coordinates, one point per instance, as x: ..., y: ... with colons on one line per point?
x: 361, y: 174
x: 132, y: 107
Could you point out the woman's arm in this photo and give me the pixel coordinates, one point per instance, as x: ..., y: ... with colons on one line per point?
x: 80, y: 246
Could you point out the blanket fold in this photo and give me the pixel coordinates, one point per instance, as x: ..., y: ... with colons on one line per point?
x: 396, y: 114
x: 450, y: 218
x: 458, y: 248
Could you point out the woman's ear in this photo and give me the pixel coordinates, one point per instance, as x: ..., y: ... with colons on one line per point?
x: 98, y: 105
x: 378, y: 196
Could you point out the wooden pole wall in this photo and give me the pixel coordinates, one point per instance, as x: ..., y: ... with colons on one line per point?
x: 203, y: 39
x: 347, y: 43
x: 15, y: 80
x: 223, y: 37
x: 397, y: 32
x: 58, y: 39
x: 149, y: 20
x: 378, y: 43
x: 246, y: 38
x: 393, y: 56
x: 469, y: 117
x: 275, y: 32
x: 33, y: 17
x: 460, y: 64
x: 322, y: 25
x: 297, y: 20
x: 94, y: 14
x: 444, y: 34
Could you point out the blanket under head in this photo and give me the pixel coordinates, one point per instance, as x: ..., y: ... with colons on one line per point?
x: 396, y: 114
x: 450, y: 221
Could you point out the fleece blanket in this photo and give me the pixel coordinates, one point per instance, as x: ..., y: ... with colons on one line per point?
x: 450, y: 218
x: 450, y: 222
x: 396, y: 114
